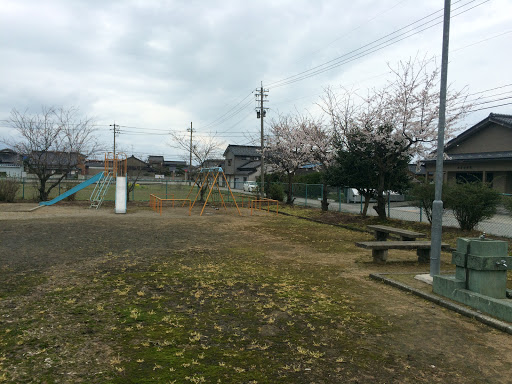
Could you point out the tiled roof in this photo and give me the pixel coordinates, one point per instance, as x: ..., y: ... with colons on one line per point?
x: 243, y: 150
x: 484, y: 156
x: 505, y: 120
x: 250, y: 165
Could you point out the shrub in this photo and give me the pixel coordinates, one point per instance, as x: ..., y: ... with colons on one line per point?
x: 507, y: 203
x: 471, y: 203
x: 424, y: 195
x: 276, y: 191
x: 8, y: 190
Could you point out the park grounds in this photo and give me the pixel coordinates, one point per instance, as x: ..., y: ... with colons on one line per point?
x: 90, y: 296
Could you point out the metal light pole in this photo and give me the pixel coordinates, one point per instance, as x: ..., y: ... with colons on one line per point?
x: 437, y: 207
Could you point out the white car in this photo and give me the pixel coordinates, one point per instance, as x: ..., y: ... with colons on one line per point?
x: 250, y: 186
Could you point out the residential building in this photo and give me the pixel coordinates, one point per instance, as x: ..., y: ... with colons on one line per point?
x: 242, y: 163
x: 481, y: 153
x: 57, y: 162
x: 11, y: 164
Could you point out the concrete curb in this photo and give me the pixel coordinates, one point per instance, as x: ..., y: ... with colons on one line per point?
x: 487, y: 320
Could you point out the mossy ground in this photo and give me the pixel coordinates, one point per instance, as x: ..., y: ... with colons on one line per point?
x: 95, y: 297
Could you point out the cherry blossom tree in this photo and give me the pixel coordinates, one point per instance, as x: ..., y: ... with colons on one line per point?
x: 401, y: 117
x: 287, y: 147
x: 320, y: 145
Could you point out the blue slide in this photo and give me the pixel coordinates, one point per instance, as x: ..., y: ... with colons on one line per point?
x: 80, y: 186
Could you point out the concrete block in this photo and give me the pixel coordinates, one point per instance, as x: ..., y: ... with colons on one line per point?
x: 447, y: 285
x: 463, y: 245
x: 479, y: 247
x: 489, y: 283
x: 460, y: 273
x: 459, y: 258
x: 498, y: 308
x: 489, y: 263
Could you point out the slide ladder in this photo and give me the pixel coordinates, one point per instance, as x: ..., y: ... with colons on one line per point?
x: 100, y: 190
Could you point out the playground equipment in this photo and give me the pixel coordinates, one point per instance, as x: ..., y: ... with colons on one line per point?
x: 257, y: 204
x: 73, y: 190
x: 156, y: 203
x: 208, y: 180
x: 115, y: 170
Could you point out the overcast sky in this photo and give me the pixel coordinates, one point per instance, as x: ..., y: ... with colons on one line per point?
x: 156, y: 66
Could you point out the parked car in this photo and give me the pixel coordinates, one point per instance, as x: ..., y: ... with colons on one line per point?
x: 352, y: 196
x: 250, y: 186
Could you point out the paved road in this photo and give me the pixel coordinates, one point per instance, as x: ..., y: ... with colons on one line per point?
x: 498, y: 225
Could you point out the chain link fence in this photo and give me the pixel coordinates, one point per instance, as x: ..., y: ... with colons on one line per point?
x: 307, y: 195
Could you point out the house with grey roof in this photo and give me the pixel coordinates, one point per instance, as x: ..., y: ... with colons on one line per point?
x: 481, y: 153
x: 242, y: 163
x: 10, y: 164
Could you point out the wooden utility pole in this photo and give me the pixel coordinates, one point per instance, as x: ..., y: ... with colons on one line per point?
x: 116, y: 131
x: 261, y: 114
x: 190, y: 155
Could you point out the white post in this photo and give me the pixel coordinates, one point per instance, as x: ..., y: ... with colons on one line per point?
x: 121, y: 190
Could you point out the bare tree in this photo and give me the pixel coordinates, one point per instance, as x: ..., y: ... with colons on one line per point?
x: 202, y: 149
x: 53, y: 143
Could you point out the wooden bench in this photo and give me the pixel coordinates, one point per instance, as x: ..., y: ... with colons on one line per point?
x: 382, y: 233
x: 380, y: 249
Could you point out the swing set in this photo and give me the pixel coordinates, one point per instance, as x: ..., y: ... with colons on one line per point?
x: 208, y: 183
x: 208, y: 180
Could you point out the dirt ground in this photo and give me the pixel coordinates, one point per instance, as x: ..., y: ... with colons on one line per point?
x: 424, y: 342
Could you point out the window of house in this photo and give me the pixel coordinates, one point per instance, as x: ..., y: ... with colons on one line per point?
x: 229, y: 162
x: 489, y: 178
x: 468, y: 177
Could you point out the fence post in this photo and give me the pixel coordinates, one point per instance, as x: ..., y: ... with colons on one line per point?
x: 133, y: 189
x: 166, y: 188
x: 306, y: 199
x: 361, y: 207
x: 59, y: 186
x: 389, y: 205
x: 339, y: 199
x: 23, y: 189
x: 421, y: 213
x: 322, y: 194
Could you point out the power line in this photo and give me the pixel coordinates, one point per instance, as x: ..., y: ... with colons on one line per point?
x: 220, y: 117
x: 493, y: 106
x: 372, y: 47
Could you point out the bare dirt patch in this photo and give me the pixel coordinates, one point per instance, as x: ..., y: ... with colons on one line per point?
x: 90, y: 296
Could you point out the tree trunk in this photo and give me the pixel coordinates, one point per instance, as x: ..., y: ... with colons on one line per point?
x: 43, y: 195
x: 380, y: 208
x: 325, y: 203
x: 289, y: 197
x: 367, y: 197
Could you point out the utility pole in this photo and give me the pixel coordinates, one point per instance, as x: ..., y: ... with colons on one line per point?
x: 190, y: 155
x: 437, y: 206
x: 115, y: 129
x: 261, y: 112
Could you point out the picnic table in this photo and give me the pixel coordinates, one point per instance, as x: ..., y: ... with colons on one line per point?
x: 382, y: 233
x: 380, y: 249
